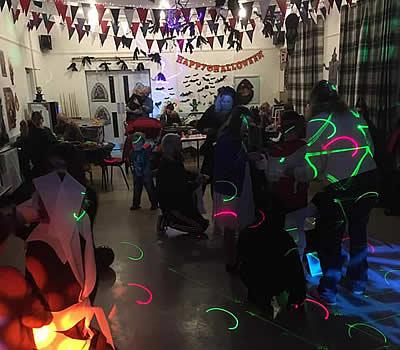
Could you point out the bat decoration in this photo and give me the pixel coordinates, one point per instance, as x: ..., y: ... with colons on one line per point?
x: 185, y: 82
x: 205, y: 96
x: 185, y: 94
x: 158, y: 104
x: 200, y: 41
x: 189, y: 46
x: 72, y: 67
x: 170, y: 89
x: 207, y: 75
x: 206, y: 79
x: 123, y: 64
x: 206, y: 87
x: 137, y: 52
x: 172, y: 94
x: 187, y: 76
x: 184, y: 101
x: 105, y: 66
x: 87, y: 60
x: 194, y: 80
x: 160, y: 88
x: 200, y: 90
x: 166, y: 98
x: 195, y: 75
x: 211, y: 93
x: 155, y: 57
x: 199, y: 83
x: 213, y: 78
x: 220, y: 79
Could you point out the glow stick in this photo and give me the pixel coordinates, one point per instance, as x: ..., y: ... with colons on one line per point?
x: 141, y: 254
x: 340, y: 138
x: 139, y: 302
x: 226, y: 213
x: 229, y: 313
x: 260, y: 222
x: 320, y: 305
x: 354, y: 325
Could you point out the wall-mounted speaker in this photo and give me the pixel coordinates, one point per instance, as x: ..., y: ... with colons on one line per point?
x: 45, y: 42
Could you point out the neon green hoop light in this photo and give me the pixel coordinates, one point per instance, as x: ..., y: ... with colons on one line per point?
x: 227, y: 312
x: 141, y: 254
x: 367, y: 194
x: 228, y: 199
x: 354, y: 325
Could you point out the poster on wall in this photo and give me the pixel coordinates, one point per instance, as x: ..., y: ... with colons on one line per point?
x: 248, y: 89
x: 99, y: 93
x: 3, y: 132
x: 102, y: 113
x: 3, y: 64
x: 11, y: 69
x: 9, y: 105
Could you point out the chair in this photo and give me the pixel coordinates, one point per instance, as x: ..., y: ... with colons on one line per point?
x: 111, y: 163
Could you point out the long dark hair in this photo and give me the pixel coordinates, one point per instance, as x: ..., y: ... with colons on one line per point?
x: 325, y: 98
x: 235, y: 121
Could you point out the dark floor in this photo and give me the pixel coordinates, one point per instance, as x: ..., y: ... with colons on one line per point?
x: 187, y: 277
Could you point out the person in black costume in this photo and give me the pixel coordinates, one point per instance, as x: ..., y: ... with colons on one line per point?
x: 210, y: 123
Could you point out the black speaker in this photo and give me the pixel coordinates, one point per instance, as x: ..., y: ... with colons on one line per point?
x: 279, y: 38
x: 45, y: 42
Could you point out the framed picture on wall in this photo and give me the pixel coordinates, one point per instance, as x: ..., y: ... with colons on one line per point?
x: 3, y: 64
x: 248, y: 89
x: 3, y: 132
x: 9, y: 105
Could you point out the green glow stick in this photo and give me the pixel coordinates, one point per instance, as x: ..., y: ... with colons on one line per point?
x: 229, y: 313
x: 80, y: 216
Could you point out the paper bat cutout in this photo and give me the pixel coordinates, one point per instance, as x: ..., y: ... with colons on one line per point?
x: 123, y: 64
x: 172, y: 94
x: 160, y: 88
x: 220, y: 79
x: 185, y: 94
x: 194, y: 80
x: 199, y: 83
x: 207, y: 75
x: 205, y: 96
x: 200, y: 90
x: 158, y: 104
x: 105, y: 66
x: 72, y: 67
x: 187, y: 76
x: 184, y: 101
x: 189, y: 46
x: 195, y: 75
x: 206, y: 79
x: 170, y: 88
x: 186, y: 86
x: 137, y: 52
x: 87, y: 60
x: 155, y: 57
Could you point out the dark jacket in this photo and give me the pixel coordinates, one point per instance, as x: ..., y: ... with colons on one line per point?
x: 140, y: 160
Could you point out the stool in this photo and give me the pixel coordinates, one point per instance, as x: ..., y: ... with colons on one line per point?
x: 115, y: 162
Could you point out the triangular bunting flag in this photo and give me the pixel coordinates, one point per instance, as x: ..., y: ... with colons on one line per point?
x: 323, y: 11
x: 81, y: 22
x: 100, y: 10
x: 126, y: 42
x: 104, y: 27
x: 298, y: 4
x: 61, y: 9
x: 313, y: 15
x: 81, y: 32
x: 145, y: 28
x: 314, y: 4
x: 304, y: 11
x: 117, y: 42
x: 74, y: 10
x: 248, y: 6
x: 71, y: 32
x: 160, y: 44
x: 134, y: 28
x: 9, y: 4
x: 186, y: 13
x: 103, y: 38
x: 149, y: 43
x: 15, y: 14
x: 264, y: 5
x: 26, y: 3
x: 253, y: 23
x: 221, y: 40
x: 282, y: 6
x: 213, y: 13
x: 45, y: 18
x: 129, y: 14
x: 210, y: 23
x: 115, y: 16
x: 86, y: 9
x: 201, y: 13
x: 2, y: 3
x: 36, y: 19
x: 49, y: 26
x: 210, y: 40
x: 69, y: 22
x: 142, y: 14
x: 181, y: 42
x: 240, y: 37
x: 331, y: 2
x: 156, y: 16
x: 232, y: 22
x: 199, y: 26
x: 37, y: 3
x: 29, y: 25
x: 216, y: 26
x: 350, y: 2
x: 338, y: 4
x: 250, y: 34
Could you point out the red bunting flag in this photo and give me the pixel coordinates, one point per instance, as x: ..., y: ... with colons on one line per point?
x: 104, y: 27
x: 181, y: 42
x: 117, y: 41
x: 149, y: 43
x: 103, y: 38
x: 25, y: 6
x: 210, y: 40
x: 213, y: 13
x: 49, y: 26
x: 232, y: 22
x: 134, y: 28
x: 199, y: 26
x: 61, y: 8
x: 253, y: 23
x: 282, y: 6
x: 186, y: 13
x: 69, y: 22
x: 15, y: 14
x: 142, y: 14
x: 100, y: 10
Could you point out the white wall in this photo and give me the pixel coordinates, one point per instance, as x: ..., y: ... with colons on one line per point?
x: 332, y: 37
x: 16, y: 46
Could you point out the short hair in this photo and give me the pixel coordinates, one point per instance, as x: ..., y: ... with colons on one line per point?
x: 171, y: 145
x: 36, y: 117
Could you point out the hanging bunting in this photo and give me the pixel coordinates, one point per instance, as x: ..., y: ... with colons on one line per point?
x: 145, y: 28
x: 304, y: 11
x: 160, y: 44
x: 199, y: 26
x: 163, y: 29
x: 71, y: 32
x: 81, y: 32
x: 29, y: 25
x: 36, y: 19
x: 81, y: 22
x: 38, y: 4
x: 26, y: 3
x: 142, y: 14
x: 86, y: 9
x: 126, y: 42
x: 232, y: 22
x: 253, y: 23
x: 216, y: 26
x: 248, y: 6
x: 282, y: 6
x: 100, y: 11
x: 156, y: 17
x: 338, y: 4
x: 129, y: 14
x: 2, y: 3
x: 115, y: 14
x: 103, y: 38
x: 180, y: 42
x: 104, y: 26
x: 210, y: 23
x: 331, y: 2
x: 264, y: 5
x: 221, y: 40
x: 186, y: 13
x: 134, y: 28
x: 117, y: 42
x: 250, y: 34
x: 314, y: 4
x: 49, y: 26
x: 298, y: 4
x: 87, y: 29
x: 213, y: 13
x: 149, y: 43
x: 15, y: 14
x: 201, y: 13
x: 323, y: 11
x: 74, y: 10
x: 210, y: 40
x: 216, y: 68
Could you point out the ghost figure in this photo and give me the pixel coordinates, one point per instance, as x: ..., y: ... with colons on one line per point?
x: 60, y: 261
x: 334, y: 66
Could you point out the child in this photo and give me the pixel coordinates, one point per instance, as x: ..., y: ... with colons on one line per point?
x: 286, y: 154
x: 269, y: 260
x: 142, y: 174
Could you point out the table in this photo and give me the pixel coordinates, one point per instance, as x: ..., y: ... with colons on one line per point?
x: 10, y: 174
x: 87, y: 125
x: 197, y: 139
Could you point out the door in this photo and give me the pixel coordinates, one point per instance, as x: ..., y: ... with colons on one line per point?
x: 108, y: 93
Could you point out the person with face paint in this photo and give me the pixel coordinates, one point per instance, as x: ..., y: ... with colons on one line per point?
x: 210, y: 123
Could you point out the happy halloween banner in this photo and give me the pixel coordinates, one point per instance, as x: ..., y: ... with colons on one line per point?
x: 216, y: 68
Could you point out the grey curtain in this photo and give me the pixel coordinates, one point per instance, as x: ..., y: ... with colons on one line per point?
x: 369, y: 58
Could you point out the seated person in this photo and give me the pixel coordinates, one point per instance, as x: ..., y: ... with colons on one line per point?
x: 170, y: 117
x: 268, y: 259
x: 175, y: 188
x: 67, y: 130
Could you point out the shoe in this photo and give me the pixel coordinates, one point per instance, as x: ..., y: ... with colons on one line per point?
x: 135, y: 207
x: 323, y: 297
x: 356, y: 288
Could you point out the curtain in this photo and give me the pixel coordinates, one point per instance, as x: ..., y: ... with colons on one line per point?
x: 305, y: 65
x: 369, y: 61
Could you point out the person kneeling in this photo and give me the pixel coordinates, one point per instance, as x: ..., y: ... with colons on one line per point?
x: 175, y: 188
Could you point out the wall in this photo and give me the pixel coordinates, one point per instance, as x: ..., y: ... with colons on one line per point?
x: 332, y: 37
x: 20, y: 52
